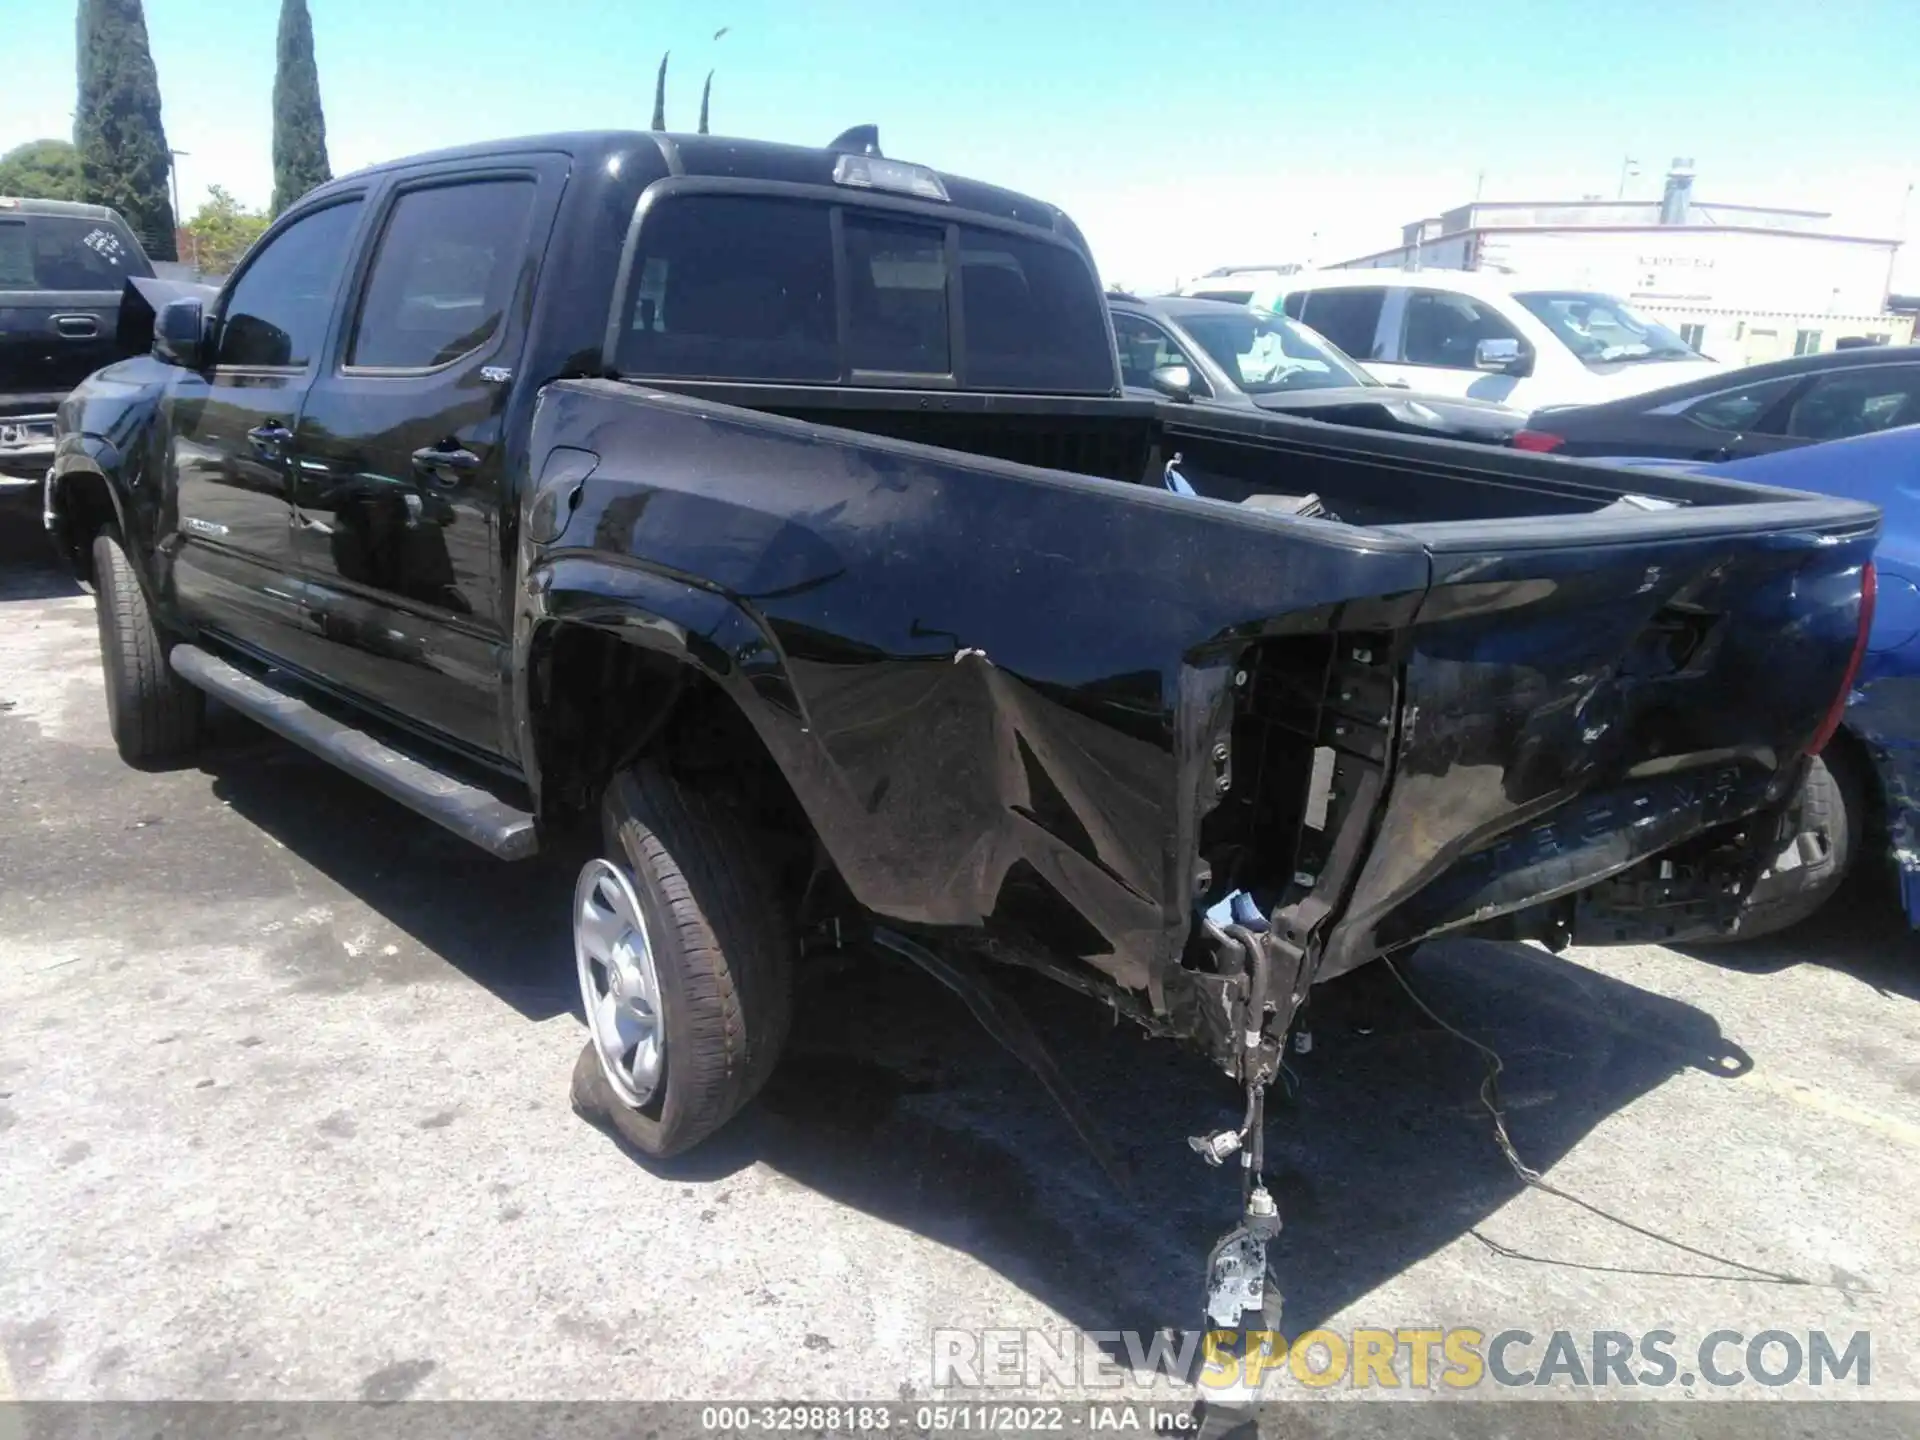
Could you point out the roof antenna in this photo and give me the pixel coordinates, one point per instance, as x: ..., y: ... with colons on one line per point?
x: 858, y: 140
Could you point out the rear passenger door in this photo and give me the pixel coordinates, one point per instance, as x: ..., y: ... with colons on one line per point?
x: 402, y: 473
x: 1357, y: 319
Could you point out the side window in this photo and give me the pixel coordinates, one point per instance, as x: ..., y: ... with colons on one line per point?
x: 733, y: 287
x: 1144, y: 348
x: 897, y: 297
x: 276, y: 313
x: 1734, y: 411
x: 1349, y: 318
x: 445, y: 271
x: 1857, y: 402
x: 1443, y: 328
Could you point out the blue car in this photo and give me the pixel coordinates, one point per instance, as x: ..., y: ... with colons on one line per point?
x: 1866, y: 786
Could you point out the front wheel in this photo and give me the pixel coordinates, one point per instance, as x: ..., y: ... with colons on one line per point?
x: 153, y: 713
x: 685, y: 979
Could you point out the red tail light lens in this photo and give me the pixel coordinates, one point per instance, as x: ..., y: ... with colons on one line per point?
x: 1538, y: 441
x: 1869, y: 584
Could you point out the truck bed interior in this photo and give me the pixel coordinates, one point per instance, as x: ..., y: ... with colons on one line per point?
x: 1361, y: 477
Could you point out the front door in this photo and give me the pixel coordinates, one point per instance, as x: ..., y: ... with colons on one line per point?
x: 399, y: 463
x: 227, y: 429
x: 1439, y: 343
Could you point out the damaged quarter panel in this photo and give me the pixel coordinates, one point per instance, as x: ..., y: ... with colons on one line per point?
x: 1883, y: 712
x: 1572, y: 711
x: 993, y: 689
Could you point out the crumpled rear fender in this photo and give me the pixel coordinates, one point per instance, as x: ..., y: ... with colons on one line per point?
x: 1884, y: 716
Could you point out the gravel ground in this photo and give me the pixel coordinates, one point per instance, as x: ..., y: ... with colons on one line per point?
x: 283, y: 1114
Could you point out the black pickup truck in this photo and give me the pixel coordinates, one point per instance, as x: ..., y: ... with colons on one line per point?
x: 779, y: 510
x: 63, y: 270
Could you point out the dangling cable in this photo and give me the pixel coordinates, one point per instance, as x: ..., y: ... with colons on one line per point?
x: 1490, y: 1098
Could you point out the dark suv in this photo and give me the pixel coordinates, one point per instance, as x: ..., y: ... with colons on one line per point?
x: 63, y: 269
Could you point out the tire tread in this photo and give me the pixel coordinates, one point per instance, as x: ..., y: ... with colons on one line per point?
x: 736, y: 976
x: 155, y: 715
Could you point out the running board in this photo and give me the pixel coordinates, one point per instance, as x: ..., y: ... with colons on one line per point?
x: 468, y: 811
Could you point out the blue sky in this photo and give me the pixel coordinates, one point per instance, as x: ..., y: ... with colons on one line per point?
x: 1181, y: 136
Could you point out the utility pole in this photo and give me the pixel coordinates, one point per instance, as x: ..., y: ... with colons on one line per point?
x: 173, y: 179
x: 1899, y: 238
x: 1629, y: 167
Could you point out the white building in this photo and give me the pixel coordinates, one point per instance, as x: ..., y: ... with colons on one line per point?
x: 1744, y: 283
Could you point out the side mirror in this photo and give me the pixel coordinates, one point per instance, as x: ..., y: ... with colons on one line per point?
x: 1173, y: 381
x: 179, y: 333
x: 1502, y: 357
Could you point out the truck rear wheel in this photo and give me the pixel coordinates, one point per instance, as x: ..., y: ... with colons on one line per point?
x: 685, y: 976
x: 153, y: 713
x: 1831, y: 802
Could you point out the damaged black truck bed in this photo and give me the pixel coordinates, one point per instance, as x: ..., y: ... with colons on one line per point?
x: 780, y: 510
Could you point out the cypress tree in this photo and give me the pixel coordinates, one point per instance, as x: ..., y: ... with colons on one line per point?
x: 706, y: 91
x: 299, y: 127
x: 116, y: 125
x: 660, y: 94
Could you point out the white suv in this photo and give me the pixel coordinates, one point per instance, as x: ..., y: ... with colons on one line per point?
x: 1457, y: 332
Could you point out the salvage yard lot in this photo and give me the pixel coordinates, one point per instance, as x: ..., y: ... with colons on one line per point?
x: 283, y: 1111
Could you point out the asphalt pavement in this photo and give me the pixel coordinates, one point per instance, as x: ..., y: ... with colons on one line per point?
x: 283, y: 1114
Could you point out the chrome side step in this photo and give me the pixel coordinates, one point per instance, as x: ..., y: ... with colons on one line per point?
x: 467, y: 810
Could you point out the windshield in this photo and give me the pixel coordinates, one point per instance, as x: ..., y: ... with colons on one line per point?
x: 1265, y: 353
x: 1602, y: 330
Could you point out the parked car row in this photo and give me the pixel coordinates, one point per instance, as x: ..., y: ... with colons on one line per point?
x: 1240, y: 357
x: 1845, y: 423
x: 1457, y: 332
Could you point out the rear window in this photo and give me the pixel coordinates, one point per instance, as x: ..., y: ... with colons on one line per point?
x: 67, y: 252
x: 731, y: 287
x: 897, y: 297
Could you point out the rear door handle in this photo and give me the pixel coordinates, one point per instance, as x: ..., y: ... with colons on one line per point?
x: 445, y: 467
x: 76, y: 327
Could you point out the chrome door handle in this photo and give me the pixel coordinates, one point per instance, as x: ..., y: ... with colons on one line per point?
x: 445, y: 467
